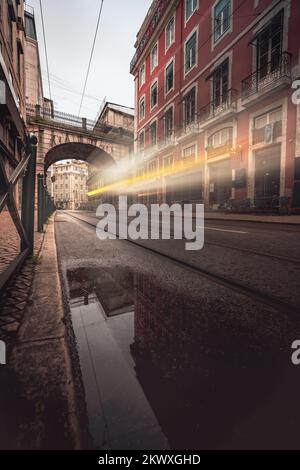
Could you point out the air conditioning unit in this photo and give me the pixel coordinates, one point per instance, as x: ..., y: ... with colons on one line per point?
x: 269, y: 134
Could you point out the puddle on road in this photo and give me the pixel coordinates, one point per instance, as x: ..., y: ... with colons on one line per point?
x: 113, y: 289
x: 162, y: 370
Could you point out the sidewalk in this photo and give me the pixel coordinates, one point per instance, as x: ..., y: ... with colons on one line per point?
x: 39, y: 398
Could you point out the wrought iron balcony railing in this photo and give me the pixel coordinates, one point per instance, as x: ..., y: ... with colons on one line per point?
x: 190, y: 127
x: 267, y: 76
x: 49, y: 113
x: 218, y: 107
x: 166, y: 142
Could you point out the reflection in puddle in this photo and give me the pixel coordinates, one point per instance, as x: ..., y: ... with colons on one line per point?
x: 114, y: 290
x: 161, y: 369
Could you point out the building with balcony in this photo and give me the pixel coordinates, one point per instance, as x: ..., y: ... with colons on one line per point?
x: 213, y: 84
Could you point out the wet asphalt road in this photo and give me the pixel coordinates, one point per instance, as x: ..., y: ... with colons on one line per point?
x: 212, y: 363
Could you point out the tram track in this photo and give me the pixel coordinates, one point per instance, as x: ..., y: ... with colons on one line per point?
x: 241, y: 288
x: 255, y: 252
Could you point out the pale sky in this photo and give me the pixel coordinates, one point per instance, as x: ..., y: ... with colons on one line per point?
x: 70, y: 28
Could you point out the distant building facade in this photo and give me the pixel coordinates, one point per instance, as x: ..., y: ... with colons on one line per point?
x: 69, y: 184
x: 213, y: 92
x: 112, y: 118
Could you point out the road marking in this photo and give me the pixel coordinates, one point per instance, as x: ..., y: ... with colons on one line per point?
x: 223, y: 230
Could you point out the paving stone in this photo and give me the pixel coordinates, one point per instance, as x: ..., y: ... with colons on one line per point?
x: 11, y: 328
x: 16, y: 296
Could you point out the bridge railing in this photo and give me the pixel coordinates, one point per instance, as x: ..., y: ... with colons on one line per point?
x: 49, y: 113
x: 46, y: 205
x: 23, y: 219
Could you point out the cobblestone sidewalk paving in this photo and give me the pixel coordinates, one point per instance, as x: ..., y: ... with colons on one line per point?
x: 9, y: 240
x: 17, y: 294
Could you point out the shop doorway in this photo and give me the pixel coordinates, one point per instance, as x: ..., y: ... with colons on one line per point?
x: 267, y: 178
x: 220, y: 183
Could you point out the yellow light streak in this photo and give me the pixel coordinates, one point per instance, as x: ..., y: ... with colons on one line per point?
x: 182, y: 166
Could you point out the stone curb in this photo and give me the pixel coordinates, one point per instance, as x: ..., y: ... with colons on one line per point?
x: 40, y: 362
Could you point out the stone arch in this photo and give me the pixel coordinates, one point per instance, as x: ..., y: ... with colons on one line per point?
x: 89, y: 153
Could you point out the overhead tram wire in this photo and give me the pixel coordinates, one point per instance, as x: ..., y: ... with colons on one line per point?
x: 46, y: 53
x: 91, y: 57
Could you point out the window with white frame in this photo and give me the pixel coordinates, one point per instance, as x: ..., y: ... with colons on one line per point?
x: 142, y: 75
x: 189, y: 152
x: 220, y: 80
x: 269, y: 45
x: 170, y: 32
x: 154, y: 95
x: 190, y: 7
x: 154, y: 57
x: 169, y: 123
x: 267, y: 126
x: 153, y: 133
x: 142, y: 108
x: 191, y: 52
x: 222, y: 18
x: 168, y: 161
x: 268, y: 118
x: 220, y: 138
x: 170, y: 77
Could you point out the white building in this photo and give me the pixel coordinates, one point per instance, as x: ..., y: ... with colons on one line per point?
x: 69, y: 184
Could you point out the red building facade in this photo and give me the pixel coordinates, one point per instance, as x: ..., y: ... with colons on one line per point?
x: 214, y: 90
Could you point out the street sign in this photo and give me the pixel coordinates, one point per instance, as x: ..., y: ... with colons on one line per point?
x: 2, y: 92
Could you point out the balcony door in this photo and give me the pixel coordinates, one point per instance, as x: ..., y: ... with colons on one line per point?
x: 190, y: 107
x: 269, y: 46
x: 220, y: 84
x: 267, y: 177
x: 220, y: 182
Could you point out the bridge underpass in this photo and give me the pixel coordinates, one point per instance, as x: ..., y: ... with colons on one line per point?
x: 64, y: 136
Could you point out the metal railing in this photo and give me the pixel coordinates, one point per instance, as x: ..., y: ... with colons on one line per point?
x: 46, y: 205
x: 188, y: 128
x: 24, y: 222
x: 217, y: 107
x: 51, y: 114
x: 166, y: 142
x: 267, y: 76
